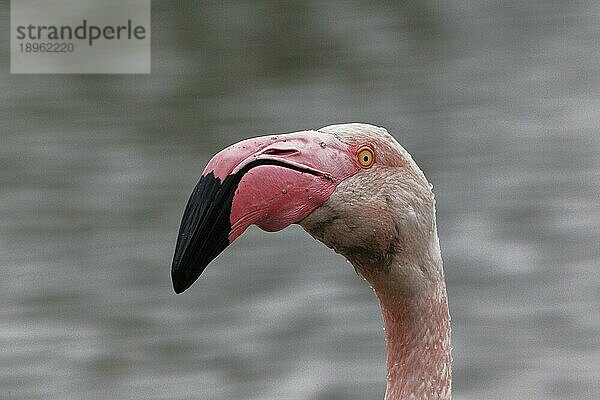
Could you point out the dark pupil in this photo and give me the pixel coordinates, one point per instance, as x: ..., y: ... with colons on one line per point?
x: 366, y: 158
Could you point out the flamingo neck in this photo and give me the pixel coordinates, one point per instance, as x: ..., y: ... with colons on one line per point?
x: 416, y: 319
x: 418, y: 350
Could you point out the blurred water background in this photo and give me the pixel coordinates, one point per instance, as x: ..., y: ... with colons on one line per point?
x: 497, y: 101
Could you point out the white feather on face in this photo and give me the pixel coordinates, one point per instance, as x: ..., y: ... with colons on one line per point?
x: 379, y: 213
x: 382, y: 219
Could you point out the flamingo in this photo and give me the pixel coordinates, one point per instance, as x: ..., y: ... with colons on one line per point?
x: 357, y: 190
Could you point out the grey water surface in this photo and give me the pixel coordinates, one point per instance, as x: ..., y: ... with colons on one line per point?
x: 499, y: 104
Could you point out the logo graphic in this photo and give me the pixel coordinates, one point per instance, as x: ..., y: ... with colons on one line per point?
x: 80, y: 36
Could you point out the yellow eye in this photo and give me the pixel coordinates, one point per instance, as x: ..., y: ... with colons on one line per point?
x: 365, y: 157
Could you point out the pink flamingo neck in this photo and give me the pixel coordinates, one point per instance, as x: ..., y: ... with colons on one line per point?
x: 418, y: 350
x: 416, y: 319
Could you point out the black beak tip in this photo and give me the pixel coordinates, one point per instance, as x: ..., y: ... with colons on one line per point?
x: 180, y: 283
x: 204, y: 230
x: 178, y: 288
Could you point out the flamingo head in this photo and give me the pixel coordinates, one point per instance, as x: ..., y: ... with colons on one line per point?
x: 351, y: 186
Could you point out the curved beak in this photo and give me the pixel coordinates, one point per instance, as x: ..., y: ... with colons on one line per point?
x: 269, y: 181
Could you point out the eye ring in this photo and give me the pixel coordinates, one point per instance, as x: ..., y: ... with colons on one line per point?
x: 365, y: 157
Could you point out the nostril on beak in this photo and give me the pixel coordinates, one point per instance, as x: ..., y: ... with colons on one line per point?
x: 280, y: 152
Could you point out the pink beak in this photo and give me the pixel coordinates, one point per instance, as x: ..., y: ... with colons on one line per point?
x: 269, y: 181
